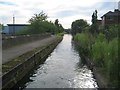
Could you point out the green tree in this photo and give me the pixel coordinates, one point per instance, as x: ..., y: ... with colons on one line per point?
x: 94, y: 26
x: 38, y: 17
x: 59, y: 26
x: 78, y: 26
x: 40, y: 24
x: 56, y: 22
x: 37, y: 23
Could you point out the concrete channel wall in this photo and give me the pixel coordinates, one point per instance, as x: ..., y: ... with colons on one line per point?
x: 9, y: 41
x: 17, y: 73
x: 101, y: 81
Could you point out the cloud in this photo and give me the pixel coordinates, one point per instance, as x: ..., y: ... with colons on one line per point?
x: 6, y: 3
x: 65, y: 10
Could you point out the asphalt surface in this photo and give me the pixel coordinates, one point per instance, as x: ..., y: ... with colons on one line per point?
x: 16, y: 51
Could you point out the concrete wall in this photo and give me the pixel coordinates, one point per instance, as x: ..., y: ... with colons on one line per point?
x: 101, y: 81
x: 9, y: 41
x: 17, y: 73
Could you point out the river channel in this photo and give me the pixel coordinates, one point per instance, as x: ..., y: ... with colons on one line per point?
x: 62, y: 69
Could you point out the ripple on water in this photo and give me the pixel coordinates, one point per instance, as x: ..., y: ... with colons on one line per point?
x: 63, y: 69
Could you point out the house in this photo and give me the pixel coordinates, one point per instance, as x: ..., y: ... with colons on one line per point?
x: 111, y: 18
x: 13, y: 28
x: 99, y: 22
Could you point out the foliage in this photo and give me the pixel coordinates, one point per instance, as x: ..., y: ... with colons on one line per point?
x: 59, y: 34
x: 111, y: 31
x: 97, y: 50
x: 40, y: 24
x: 94, y: 26
x: 82, y: 40
x: 1, y: 27
x: 59, y: 26
x: 38, y: 17
x: 112, y: 61
x: 103, y: 51
x: 78, y: 26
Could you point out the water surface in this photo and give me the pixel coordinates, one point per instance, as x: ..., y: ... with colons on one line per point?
x: 62, y: 69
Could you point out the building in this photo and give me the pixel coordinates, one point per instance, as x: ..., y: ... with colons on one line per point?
x: 5, y: 30
x: 13, y: 28
x: 99, y: 22
x: 111, y: 18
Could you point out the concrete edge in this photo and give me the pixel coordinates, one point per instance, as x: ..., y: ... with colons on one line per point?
x: 10, y: 78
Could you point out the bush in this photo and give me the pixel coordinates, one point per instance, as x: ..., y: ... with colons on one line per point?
x: 103, y: 50
x: 112, y: 61
x: 97, y: 50
x: 83, y: 43
x: 105, y: 56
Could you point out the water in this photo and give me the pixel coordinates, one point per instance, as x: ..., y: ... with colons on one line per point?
x: 62, y: 69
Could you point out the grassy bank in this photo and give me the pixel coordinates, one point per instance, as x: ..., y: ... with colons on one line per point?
x: 103, y: 53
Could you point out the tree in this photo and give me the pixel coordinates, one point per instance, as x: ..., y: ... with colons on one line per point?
x: 37, y: 23
x: 40, y: 24
x: 59, y: 26
x: 38, y: 17
x: 78, y: 26
x: 56, y: 22
x: 94, y: 26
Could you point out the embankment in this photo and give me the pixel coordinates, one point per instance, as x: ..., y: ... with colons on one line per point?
x: 10, y: 78
x: 102, y: 82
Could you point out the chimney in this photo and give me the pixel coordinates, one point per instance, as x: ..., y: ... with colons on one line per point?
x: 116, y: 10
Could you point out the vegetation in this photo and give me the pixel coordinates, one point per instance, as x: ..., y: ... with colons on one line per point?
x: 78, y: 26
x: 1, y: 27
x: 102, y: 49
x: 94, y: 26
x: 39, y: 24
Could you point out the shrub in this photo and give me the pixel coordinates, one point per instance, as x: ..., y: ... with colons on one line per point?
x: 112, y: 61
x: 98, y: 49
x: 82, y: 40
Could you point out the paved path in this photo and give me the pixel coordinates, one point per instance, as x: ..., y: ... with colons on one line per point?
x: 13, y: 52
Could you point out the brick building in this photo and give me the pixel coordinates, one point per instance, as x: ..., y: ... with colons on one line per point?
x: 111, y: 18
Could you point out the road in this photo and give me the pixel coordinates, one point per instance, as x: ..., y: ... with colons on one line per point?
x: 16, y: 51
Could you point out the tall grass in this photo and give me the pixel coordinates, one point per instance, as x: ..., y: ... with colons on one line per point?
x: 103, y: 53
x: 82, y: 40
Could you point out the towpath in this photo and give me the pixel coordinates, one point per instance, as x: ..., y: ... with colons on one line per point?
x: 16, y: 51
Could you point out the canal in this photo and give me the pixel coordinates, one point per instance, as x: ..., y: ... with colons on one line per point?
x: 62, y: 69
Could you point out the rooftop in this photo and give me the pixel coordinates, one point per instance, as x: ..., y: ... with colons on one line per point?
x: 110, y: 13
x: 18, y: 24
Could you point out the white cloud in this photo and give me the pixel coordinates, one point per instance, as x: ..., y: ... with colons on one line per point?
x: 24, y: 9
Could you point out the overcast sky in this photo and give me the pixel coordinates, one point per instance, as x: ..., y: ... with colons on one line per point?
x: 66, y: 11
